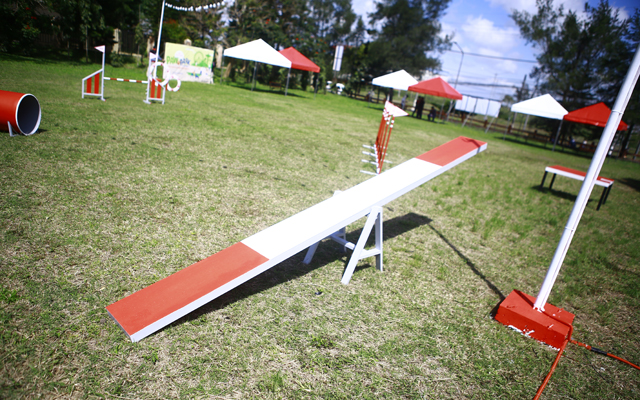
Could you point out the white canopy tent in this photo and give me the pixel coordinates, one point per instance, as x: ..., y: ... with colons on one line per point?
x: 260, y: 52
x: 399, y: 80
x: 542, y: 106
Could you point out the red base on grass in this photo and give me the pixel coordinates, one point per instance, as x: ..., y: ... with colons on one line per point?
x: 550, y: 327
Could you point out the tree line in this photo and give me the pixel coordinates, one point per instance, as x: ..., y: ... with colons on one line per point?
x: 581, y: 59
x: 402, y: 33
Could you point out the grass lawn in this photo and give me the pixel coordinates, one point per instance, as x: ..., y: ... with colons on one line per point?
x: 110, y: 197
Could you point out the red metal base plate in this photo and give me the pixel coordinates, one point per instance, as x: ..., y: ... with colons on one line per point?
x: 550, y: 327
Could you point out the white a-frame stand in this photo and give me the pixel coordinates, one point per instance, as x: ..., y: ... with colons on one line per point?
x: 359, y: 252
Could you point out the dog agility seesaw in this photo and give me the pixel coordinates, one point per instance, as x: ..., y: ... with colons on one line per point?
x: 156, y: 306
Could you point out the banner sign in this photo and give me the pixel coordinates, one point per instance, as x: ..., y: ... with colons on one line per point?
x: 188, y: 63
x: 474, y: 105
x: 337, y: 61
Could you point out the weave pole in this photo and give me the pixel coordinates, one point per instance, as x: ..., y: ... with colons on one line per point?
x: 384, y: 134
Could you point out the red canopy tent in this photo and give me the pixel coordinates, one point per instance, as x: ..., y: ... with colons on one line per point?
x: 597, y: 114
x: 299, y: 61
x: 436, y: 87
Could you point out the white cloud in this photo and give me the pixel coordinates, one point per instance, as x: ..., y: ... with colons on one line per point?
x: 520, y: 5
x: 530, y: 5
x: 507, y: 66
x: 622, y: 12
x: 363, y: 7
x: 482, y: 32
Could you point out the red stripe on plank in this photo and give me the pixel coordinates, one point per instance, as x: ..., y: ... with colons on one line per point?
x: 97, y: 83
x: 154, y: 302
x: 580, y: 173
x: 88, y: 89
x: 451, y: 151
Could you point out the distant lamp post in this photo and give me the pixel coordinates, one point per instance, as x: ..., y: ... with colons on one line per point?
x: 455, y: 85
x: 459, y: 67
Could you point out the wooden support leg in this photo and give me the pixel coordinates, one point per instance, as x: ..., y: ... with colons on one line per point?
x: 359, y: 252
x: 11, y: 130
x: 543, y: 178
x: 310, y: 252
x: 604, y: 192
x: 606, y: 196
x: 374, y: 219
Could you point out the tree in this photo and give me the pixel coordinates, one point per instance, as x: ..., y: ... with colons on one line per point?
x: 331, y: 22
x: 19, y: 25
x: 120, y: 13
x: 408, y: 30
x: 580, y: 61
x: 80, y: 20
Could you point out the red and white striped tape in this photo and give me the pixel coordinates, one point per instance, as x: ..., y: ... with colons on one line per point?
x: 124, y: 80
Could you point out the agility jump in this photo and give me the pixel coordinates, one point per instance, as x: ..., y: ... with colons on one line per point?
x: 93, y: 84
x: 154, y: 307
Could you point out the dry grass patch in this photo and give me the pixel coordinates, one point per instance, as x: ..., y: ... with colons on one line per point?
x: 110, y: 197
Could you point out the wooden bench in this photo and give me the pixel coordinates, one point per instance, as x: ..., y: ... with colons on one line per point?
x: 154, y: 307
x: 606, y: 183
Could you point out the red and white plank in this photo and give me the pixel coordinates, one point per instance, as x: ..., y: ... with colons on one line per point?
x: 154, y: 307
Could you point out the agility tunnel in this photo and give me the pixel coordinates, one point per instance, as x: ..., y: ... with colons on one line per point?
x: 19, y: 112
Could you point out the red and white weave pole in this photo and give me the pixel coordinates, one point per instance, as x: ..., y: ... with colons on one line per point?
x: 381, y: 144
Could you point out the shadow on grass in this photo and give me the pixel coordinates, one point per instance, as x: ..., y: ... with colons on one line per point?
x: 547, y: 146
x: 469, y: 263
x: 293, y: 268
x: 564, y: 195
x: 262, y: 90
x: 632, y: 183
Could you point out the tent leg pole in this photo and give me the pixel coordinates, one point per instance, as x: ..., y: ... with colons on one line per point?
x: 449, y: 112
x: 286, y: 88
x: 504, y: 137
x: 490, y: 123
x: 557, y: 135
x: 253, y: 83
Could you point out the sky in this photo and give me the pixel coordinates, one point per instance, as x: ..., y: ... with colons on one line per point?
x: 484, y: 27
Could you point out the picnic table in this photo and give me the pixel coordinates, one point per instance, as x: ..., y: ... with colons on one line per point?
x: 606, y: 183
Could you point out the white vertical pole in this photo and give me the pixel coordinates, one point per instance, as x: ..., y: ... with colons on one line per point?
x: 253, y: 82
x: 557, y: 136
x: 102, y: 78
x: 159, y: 35
x: 587, y: 186
x: 287, y: 87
